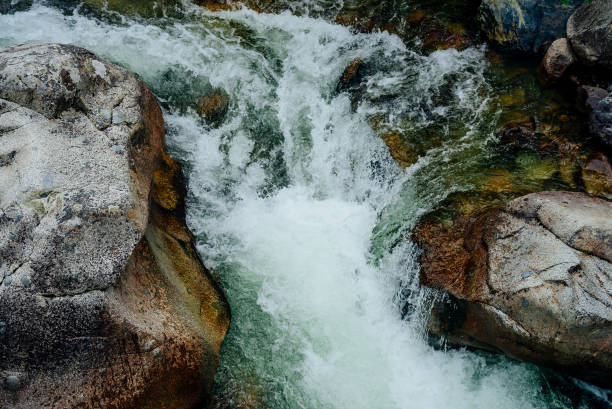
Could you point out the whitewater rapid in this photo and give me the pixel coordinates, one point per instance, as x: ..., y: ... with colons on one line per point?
x: 299, y: 208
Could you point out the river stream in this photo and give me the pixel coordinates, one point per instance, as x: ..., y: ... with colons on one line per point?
x: 299, y: 208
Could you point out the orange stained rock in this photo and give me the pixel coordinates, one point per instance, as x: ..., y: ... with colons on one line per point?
x: 399, y: 150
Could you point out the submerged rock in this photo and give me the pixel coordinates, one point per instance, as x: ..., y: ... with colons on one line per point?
x: 399, y: 149
x: 353, y: 80
x: 518, y: 131
x: 589, y: 30
x: 532, y: 280
x: 525, y: 26
x: 98, y: 260
x: 352, y: 77
x: 440, y: 37
x: 214, y: 108
x: 557, y: 60
x: 597, y: 175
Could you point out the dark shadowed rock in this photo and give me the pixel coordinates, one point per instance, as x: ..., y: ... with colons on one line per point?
x: 559, y: 57
x: 532, y: 280
x: 589, y: 97
x: 525, y: 26
x: 103, y: 299
x: 353, y: 80
x: 589, y: 30
x: 601, y: 120
x: 353, y: 76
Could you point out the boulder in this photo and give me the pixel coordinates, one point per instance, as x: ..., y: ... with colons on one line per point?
x: 589, y: 30
x: 525, y: 26
x: 104, y: 301
x: 600, y: 123
x: 589, y: 97
x: 532, y: 280
x: 558, y: 58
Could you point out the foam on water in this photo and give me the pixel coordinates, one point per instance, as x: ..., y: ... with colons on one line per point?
x: 298, y: 206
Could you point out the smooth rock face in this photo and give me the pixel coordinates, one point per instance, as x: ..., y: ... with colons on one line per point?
x: 532, y: 280
x: 589, y: 30
x: 525, y: 26
x: 557, y: 60
x: 95, y: 259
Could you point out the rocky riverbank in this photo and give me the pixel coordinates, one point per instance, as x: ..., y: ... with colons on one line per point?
x: 530, y: 279
x: 104, y: 301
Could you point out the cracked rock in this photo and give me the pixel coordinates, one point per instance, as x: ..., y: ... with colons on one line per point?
x: 532, y: 280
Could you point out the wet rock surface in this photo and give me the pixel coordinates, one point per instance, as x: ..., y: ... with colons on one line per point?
x: 525, y: 26
x: 558, y: 58
x: 589, y: 30
x: 214, y: 108
x: 532, y: 280
x: 601, y: 120
x: 96, y: 262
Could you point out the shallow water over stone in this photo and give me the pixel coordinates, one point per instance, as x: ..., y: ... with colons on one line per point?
x: 301, y: 209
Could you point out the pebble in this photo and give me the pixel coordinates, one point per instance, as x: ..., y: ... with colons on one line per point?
x: 156, y: 352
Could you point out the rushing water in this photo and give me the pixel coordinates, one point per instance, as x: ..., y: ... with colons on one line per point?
x: 299, y: 207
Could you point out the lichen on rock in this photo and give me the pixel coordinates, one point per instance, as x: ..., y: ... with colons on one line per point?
x: 104, y: 301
